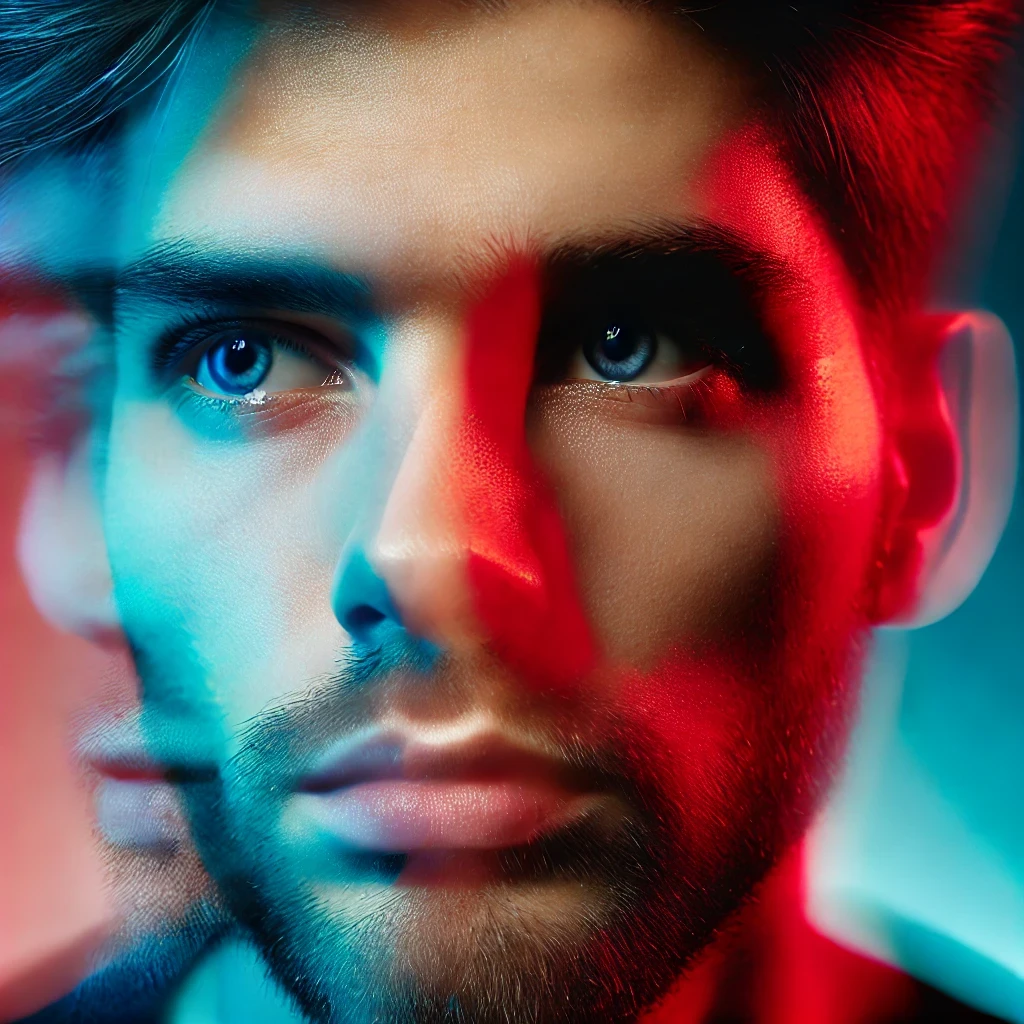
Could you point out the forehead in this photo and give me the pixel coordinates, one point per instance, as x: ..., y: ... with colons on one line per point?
x: 423, y: 136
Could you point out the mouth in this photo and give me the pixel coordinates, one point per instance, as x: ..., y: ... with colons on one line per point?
x: 134, y: 803
x: 115, y: 749
x: 400, y: 793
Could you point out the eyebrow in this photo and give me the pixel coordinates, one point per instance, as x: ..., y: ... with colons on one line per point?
x: 757, y: 270
x: 181, y: 272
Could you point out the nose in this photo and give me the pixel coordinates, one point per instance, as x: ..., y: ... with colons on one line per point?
x: 469, y: 548
x: 362, y: 602
x: 405, y: 564
x: 404, y: 557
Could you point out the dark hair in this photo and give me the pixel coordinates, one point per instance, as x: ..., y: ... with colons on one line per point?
x: 878, y: 101
x: 881, y: 104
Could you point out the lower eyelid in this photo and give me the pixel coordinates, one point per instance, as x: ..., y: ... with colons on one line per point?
x: 708, y: 396
x: 676, y: 395
x: 688, y: 378
x: 190, y: 384
x: 333, y: 381
x: 260, y: 415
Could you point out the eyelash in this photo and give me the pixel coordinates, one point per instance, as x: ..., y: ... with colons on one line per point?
x: 704, y: 304
x: 691, y: 401
x: 176, y: 344
x: 684, y: 400
x: 200, y: 402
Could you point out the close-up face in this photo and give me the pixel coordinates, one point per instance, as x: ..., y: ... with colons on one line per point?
x: 492, y: 494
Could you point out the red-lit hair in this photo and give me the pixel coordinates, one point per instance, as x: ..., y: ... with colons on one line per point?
x: 881, y: 105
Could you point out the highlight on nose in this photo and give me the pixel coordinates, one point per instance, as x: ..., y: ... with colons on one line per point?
x: 519, y: 566
x: 469, y: 548
x: 361, y: 600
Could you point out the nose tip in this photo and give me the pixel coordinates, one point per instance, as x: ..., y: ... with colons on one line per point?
x: 362, y: 603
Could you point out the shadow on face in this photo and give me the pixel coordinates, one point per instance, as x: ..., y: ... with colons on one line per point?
x: 491, y: 489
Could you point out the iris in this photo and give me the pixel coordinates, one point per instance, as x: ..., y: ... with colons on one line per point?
x: 621, y: 351
x: 236, y: 364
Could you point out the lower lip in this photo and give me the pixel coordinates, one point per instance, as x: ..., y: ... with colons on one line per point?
x: 139, y: 814
x: 400, y: 816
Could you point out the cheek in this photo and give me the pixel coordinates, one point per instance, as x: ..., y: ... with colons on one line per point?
x: 674, y: 532
x: 217, y: 558
x: 825, y: 444
x: 823, y: 437
x: 754, y: 537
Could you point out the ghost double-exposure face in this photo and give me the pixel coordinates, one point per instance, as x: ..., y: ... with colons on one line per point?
x: 493, y: 495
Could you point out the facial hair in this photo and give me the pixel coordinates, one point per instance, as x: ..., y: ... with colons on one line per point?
x: 655, y: 895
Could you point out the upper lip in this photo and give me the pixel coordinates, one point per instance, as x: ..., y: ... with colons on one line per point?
x: 116, y: 750
x: 387, y: 755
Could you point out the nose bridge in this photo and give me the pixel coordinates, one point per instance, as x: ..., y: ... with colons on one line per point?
x: 469, y: 545
x: 398, y: 563
x: 419, y: 547
x: 518, y: 568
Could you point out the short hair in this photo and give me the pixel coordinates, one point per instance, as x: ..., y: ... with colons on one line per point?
x: 881, y: 104
x: 878, y: 102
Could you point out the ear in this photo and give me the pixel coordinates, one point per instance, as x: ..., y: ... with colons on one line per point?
x: 48, y: 343
x: 61, y: 548
x: 951, y: 465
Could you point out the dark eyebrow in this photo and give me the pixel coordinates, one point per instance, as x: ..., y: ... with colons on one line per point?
x: 184, y: 273
x: 755, y: 269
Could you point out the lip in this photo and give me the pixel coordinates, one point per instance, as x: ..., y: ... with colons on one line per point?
x: 116, y: 750
x: 135, y: 806
x: 394, y: 793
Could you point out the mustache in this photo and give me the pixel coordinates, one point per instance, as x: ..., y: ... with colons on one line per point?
x: 296, y: 728
x: 280, y: 746
x: 286, y: 735
x: 361, y: 665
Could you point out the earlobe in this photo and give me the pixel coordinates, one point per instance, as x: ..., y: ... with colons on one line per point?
x: 951, y: 467
x: 61, y: 548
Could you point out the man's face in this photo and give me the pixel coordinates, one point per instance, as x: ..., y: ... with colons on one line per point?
x: 492, y: 485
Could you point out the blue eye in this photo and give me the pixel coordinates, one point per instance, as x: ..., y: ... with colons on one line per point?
x: 236, y: 364
x: 621, y: 351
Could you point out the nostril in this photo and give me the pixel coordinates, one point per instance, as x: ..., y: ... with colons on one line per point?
x: 361, y: 601
x: 360, y: 620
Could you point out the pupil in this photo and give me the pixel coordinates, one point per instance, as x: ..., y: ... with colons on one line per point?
x: 236, y: 365
x: 619, y: 344
x: 240, y: 357
x: 621, y: 351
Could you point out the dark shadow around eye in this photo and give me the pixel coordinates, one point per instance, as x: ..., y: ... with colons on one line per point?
x: 708, y: 311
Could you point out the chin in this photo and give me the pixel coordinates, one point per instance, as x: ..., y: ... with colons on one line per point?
x: 458, y: 939
x: 444, y: 932
x: 528, y: 951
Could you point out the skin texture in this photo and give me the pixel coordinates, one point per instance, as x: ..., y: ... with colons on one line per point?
x: 162, y: 906
x: 682, y: 539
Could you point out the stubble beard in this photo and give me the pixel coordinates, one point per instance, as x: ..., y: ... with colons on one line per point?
x: 582, y: 927
x: 590, y: 924
x: 585, y: 926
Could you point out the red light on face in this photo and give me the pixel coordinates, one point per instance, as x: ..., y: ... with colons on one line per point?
x: 519, y: 567
x: 825, y: 434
